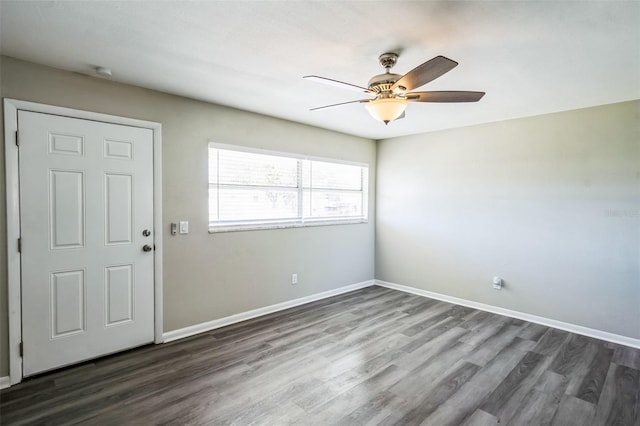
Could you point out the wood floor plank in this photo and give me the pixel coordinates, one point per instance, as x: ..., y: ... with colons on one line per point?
x: 475, y: 320
x: 375, y: 411
x: 539, y: 406
x: 423, y: 306
x: 619, y: 403
x: 551, y: 342
x: 347, y: 402
x: 440, y: 345
x: 490, y: 327
x: 592, y: 383
x: 426, y: 404
x: 629, y: 357
x: 461, y: 312
x: 427, y: 335
x: 572, y: 355
x: 364, y: 357
x: 482, y: 418
x: 255, y: 412
x: 461, y: 405
x: 352, y: 378
x: 552, y: 383
x: 281, y: 415
x: 374, y: 356
x: 425, y: 375
x: 507, y: 397
x: 428, y: 320
x: 363, y: 335
x: 533, y: 332
x: 489, y: 348
x: 574, y: 412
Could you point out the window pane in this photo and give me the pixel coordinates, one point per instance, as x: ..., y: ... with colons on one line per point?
x: 244, y: 168
x: 213, y: 165
x: 252, y: 204
x: 335, y: 176
x: 306, y: 173
x: 213, y: 203
x: 333, y: 204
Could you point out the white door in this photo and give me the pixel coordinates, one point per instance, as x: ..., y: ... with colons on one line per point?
x: 86, y: 200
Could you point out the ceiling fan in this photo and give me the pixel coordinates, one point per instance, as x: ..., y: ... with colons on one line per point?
x: 392, y: 92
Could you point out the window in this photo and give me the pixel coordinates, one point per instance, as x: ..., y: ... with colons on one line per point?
x: 253, y: 189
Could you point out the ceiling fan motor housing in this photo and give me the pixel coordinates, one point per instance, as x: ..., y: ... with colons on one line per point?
x: 382, y: 83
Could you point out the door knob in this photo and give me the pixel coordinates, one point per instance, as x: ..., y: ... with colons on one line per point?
x: 146, y: 233
x: 146, y: 247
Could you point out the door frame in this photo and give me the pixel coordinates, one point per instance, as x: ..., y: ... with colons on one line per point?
x: 11, y: 108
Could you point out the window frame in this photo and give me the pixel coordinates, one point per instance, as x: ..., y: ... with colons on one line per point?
x: 300, y: 221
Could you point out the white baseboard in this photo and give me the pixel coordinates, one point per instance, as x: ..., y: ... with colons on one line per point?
x: 573, y: 328
x: 5, y: 382
x: 243, y: 316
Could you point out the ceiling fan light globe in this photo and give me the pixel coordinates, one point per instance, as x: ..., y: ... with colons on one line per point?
x: 386, y: 109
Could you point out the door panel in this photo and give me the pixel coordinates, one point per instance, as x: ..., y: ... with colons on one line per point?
x: 66, y: 209
x: 118, y: 208
x: 66, y: 144
x: 86, y: 195
x: 119, y: 294
x: 68, y: 303
x: 120, y: 150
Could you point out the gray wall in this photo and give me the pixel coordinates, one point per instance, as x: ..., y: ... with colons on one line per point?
x: 209, y: 276
x: 549, y: 203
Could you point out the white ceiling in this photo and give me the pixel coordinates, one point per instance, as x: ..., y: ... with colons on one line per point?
x: 530, y: 57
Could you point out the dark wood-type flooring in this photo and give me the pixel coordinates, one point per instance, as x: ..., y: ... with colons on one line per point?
x: 372, y: 356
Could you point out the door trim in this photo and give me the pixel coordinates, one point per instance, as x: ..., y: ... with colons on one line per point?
x: 11, y: 108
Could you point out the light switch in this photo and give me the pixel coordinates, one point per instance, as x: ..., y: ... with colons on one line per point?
x: 184, y: 226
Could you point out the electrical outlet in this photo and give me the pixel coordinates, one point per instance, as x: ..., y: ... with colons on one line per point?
x: 294, y: 279
x: 497, y: 283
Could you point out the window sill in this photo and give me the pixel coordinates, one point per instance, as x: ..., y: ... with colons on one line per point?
x: 283, y: 225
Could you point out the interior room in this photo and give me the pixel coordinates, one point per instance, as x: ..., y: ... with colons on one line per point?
x: 318, y: 213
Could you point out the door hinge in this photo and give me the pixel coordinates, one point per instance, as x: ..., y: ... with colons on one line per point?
x: 17, y: 139
x: 21, y: 348
x: 19, y: 245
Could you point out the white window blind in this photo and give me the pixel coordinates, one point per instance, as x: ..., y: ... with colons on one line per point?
x: 251, y: 189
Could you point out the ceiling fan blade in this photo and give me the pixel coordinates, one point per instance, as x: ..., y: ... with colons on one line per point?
x: 422, y: 74
x: 341, y: 103
x: 445, y: 96
x: 337, y: 83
